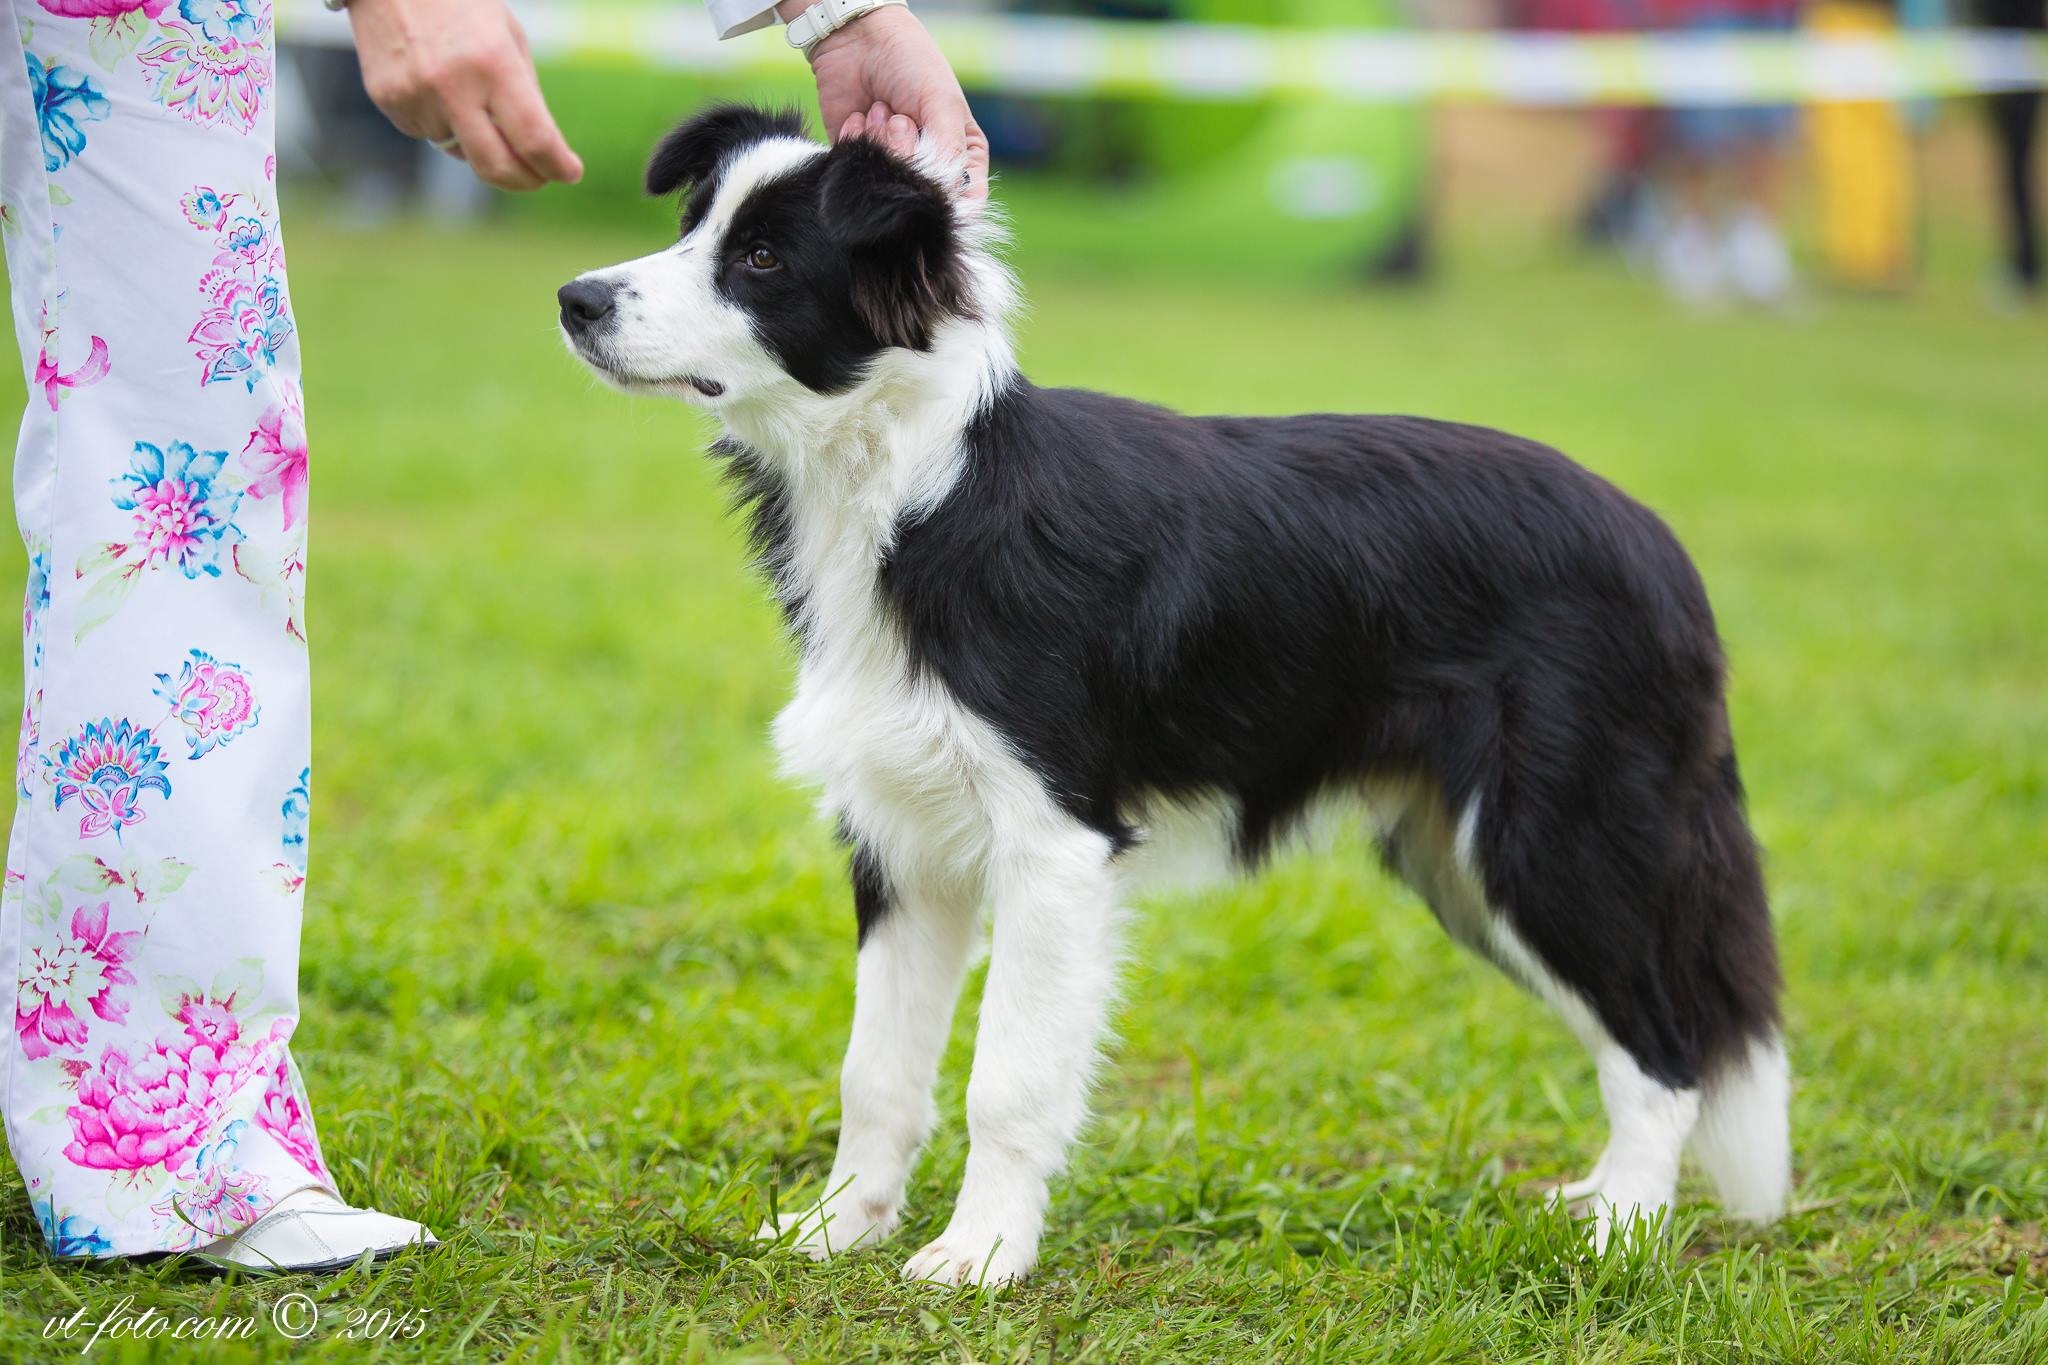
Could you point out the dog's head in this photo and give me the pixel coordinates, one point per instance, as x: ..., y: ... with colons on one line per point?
x: 797, y: 265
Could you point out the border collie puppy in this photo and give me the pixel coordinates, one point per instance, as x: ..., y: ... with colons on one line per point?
x: 1036, y: 626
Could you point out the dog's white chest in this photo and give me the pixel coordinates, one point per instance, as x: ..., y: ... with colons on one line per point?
x: 899, y: 759
x: 859, y: 722
x: 904, y: 765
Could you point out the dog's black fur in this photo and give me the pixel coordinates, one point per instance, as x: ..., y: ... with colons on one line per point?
x: 1270, y: 608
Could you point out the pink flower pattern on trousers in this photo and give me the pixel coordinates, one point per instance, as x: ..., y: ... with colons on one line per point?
x: 285, y: 1117
x: 108, y: 766
x: 102, y: 9
x: 211, y: 699
x: 154, y: 1110
x: 276, y: 455
x: 61, y: 982
x: 213, y: 70
x: 247, y: 317
x: 213, y: 1196
x: 53, y: 379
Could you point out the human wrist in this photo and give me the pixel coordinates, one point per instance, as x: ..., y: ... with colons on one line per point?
x: 884, y: 16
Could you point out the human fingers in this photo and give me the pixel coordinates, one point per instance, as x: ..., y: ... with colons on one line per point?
x: 900, y: 136
x: 977, y: 162
x: 522, y: 116
x: 958, y: 139
x: 488, y: 153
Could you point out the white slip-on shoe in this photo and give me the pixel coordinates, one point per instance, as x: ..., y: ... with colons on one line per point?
x: 312, y: 1230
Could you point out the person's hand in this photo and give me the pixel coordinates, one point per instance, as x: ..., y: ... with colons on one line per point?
x: 882, y: 76
x: 442, y: 69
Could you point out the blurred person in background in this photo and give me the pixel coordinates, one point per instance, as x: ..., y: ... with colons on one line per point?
x: 157, y: 860
x: 1725, y: 169
x: 2015, y: 122
x: 1620, y: 211
x: 1861, y: 161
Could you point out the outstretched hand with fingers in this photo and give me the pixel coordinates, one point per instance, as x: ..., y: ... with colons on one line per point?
x: 882, y: 76
x: 458, y: 73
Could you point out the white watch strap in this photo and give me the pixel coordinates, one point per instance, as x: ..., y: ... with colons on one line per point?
x: 827, y: 17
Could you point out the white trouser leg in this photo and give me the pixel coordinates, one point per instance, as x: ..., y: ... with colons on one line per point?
x: 157, y: 855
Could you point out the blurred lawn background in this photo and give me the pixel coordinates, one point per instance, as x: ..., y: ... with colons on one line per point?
x: 578, y: 968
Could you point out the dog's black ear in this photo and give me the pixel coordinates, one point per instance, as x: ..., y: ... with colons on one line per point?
x: 686, y: 158
x: 903, y: 248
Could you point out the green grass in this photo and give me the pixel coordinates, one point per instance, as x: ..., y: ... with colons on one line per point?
x: 578, y: 968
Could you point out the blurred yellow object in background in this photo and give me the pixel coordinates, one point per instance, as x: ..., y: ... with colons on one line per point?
x: 1863, y: 167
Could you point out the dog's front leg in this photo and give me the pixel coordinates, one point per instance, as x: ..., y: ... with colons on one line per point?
x: 915, y: 946
x: 1052, y: 971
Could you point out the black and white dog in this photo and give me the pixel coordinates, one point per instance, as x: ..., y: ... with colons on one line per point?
x: 1042, y: 629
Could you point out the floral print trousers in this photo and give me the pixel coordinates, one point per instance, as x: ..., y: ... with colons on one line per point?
x: 157, y: 858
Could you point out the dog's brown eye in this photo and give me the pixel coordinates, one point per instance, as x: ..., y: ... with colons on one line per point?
x: 761, y: 258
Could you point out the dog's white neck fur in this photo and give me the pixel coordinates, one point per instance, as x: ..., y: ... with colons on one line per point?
x: 891, y: 444
x: 856, y: 464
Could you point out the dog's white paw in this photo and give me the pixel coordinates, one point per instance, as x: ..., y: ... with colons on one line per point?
x: 1634, y: 1213
x: 1575, y: 1197
x: 830, y: 1229
x: 1612, y: 1201
x: 957, y: 1259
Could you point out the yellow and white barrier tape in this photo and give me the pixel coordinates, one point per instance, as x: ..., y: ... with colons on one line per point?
x: 1026, y: 54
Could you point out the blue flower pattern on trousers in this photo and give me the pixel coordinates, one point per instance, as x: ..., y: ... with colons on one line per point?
x: 64, y: 101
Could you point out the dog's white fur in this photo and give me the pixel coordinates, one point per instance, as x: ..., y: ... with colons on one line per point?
x: 962, y: 827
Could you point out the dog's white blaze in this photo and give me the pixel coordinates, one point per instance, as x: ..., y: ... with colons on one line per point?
x: 746, y: 171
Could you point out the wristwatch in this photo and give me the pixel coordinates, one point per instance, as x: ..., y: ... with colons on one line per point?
x: 827, y: 17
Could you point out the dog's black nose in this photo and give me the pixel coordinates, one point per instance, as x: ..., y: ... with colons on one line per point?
x: 585, y: 303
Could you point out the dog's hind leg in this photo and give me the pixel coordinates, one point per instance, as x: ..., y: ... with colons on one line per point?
x: 915, y: 945
x: 1052, y: 971
x: 1642, y: 905
x: 1649, y: 1120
